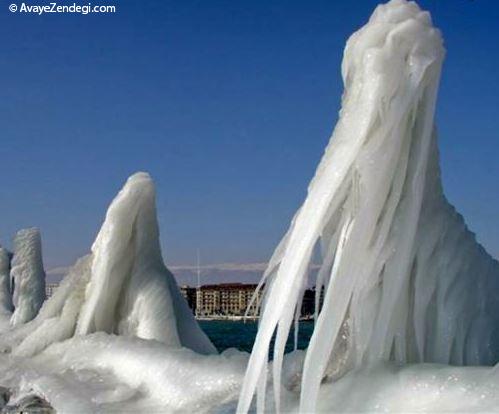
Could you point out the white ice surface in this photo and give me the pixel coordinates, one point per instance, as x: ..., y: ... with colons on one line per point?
x: 27, y: 275
x: 102, y: 373
x: 108, y: 373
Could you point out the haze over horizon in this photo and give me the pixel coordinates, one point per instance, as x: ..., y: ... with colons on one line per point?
x: 228, y: 106
x: 187, y: 274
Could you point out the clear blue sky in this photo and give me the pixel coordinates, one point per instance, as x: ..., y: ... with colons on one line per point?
x: 228, y: 104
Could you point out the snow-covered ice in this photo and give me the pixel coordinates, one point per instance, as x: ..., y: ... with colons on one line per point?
x: 109, y: 373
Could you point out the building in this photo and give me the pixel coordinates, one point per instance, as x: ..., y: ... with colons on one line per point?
x: 189, y: 293
x: 226, y: 299
x: 308, y: 302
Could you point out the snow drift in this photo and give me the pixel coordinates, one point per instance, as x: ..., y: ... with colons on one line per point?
x: 122, y: 287
x: 404, y: 279
x: 28, y: 276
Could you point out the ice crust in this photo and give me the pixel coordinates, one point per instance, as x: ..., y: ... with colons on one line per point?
x: 102, y: 373
x: 404, y: 278
x: 122, y: 287
x: 28, y: 276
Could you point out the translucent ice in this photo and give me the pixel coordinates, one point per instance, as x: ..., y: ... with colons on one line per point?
x: 28, y: 276
x: 404, y: 279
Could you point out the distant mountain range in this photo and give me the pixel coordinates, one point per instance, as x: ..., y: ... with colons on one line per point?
x: 187, y: 274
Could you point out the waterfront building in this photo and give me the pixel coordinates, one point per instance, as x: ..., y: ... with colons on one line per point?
x: 226, y: 299
x: 308, y: 302
x: 189, y: 293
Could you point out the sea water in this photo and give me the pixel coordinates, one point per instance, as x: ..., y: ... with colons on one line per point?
x: 241, y: 335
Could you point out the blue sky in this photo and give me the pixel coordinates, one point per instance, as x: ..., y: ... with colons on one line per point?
x: 228, y: 104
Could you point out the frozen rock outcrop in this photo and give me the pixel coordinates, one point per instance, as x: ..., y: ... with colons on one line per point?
x: 27, y: 275
x: 122, y: 287
x: 404, y: 278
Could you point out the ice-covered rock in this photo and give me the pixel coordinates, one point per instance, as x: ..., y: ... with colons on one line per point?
x: 5, y: 289
x: 27, y: 275
x: 122, y: 287
x: 404, y: 278
x: 29, y: 404
x: 6, y: 306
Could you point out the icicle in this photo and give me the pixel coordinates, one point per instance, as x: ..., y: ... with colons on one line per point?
x: 326, y: 329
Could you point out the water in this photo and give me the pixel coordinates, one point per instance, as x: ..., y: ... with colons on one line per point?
x: 241, y: 335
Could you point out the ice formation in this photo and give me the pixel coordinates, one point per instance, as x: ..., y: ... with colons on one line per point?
x: 28, y: 276
x: 122, y: 287
x: 5, y: 290
x: 404, y: 278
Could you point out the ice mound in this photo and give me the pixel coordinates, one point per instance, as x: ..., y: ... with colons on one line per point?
x: 28, y: 276
x: 108, y: 373
x: 404, y: 279
x: 386, y: 387
x: 122, y: 287
x: 428, y: 388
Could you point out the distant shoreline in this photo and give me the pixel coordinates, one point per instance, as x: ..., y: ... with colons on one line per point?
x: 240, y: 318
x: 227, y: 318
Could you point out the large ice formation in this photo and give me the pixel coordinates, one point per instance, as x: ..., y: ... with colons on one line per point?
x: 28, y: 276
x: 404, y: 278
x: 122, y: 287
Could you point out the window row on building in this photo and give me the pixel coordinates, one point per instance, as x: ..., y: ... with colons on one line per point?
x: 233, y: 299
